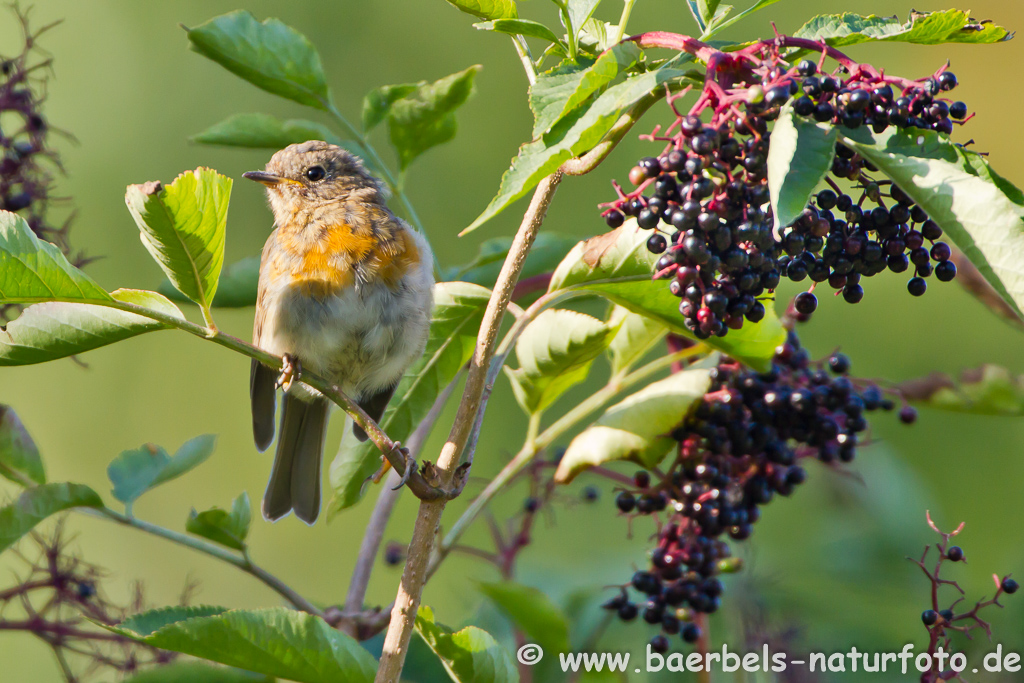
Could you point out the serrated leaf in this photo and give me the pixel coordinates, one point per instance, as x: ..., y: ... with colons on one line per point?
x: 196, y: 672
x: 36, y: 504
x: 637, y: 334
x: 724, y: 20
x: 923, y: 28
x: 269, y: 54
x: 532, y: 612
x: 425, y: 117
x: 556, y: 94
x: 136, y: 471
x: 800, y: 154
x: 220, y: 526
x: 555, y: 353
x: 520, y: 27
x: 987, y: 390
x: 278, y: 642
x: 548, y: 250
x: 487, y: 9
x: 637, y: 428
x: 981, y: 212
x: 182, y: 226
x: 573, y: 135
x: 263, y: 131
x: 237, y: 287
x: 470, y: 655
x: 56, y: 329
x: 20, y: 461
x: 619, y: 267
x: 458, y: 311
x: 33, y: 270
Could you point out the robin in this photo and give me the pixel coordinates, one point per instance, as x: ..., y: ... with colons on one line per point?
x: 345, y: 291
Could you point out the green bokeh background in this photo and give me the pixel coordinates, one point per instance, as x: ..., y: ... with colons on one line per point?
x: 829, y: 562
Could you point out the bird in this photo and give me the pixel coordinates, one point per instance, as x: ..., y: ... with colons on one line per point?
x: 345, y: 291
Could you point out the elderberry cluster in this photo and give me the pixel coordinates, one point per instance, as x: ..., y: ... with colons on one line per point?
x: 738, y: 450
x: 706, y: 199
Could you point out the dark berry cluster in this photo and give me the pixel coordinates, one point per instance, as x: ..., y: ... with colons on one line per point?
x: 706, y: 197
x: 739, y: 449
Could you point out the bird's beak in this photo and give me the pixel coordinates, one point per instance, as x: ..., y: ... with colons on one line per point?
x: 268, y: 179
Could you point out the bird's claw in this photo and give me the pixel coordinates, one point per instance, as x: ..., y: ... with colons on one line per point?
x: 291, y: 369
x: 410, y: 465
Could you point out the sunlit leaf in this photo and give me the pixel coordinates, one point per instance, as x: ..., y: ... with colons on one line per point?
x: 638, y: 428
x: 988, y: 390
x: 924, y: 28
x: 799, y: 156
x: 220, y: 526
x: 268, y: 54
x: 487, y: 9
x: 637, y: 334
x: 263, y: 131
x: 724, y: 19
x: 237, y: 287
x: 523, y: 27
x: 19, y: 457
x: 548, y: 250
x: 136, y: 471
x: 470, y: 655
x: 579, y: 12
x: 36, y: 504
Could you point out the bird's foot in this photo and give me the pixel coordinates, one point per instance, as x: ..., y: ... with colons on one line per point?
x: 410, y: 465
x: 291, y: 370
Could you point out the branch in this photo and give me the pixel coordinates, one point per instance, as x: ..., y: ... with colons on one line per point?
x: 410, y: 590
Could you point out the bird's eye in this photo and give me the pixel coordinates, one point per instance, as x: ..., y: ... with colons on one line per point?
x: 315, y: 173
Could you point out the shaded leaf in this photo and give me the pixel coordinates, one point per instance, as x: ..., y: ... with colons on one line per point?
x: 487, y: 9
x: 971, y: 279
x: 196, y: 672
x: 638, y: 427
x: 470, y: 655
x: 263, y: 131
x: 977, y: 209
x: 555, y: 352
x: 57, y: 329
x: 269, y: 54
x: 799, y: 156
x: 279, y: 642
x: 724, y: 20
x: 377, y: 103
x: 988, y: 390
x: 573, y: 135
x: 236, y: 288
x: 520, y: 27
x: 923, y: 28
x: 548, y: 250
x: 220, y: 526
x: 36, y: 504
x: 458, y: 311
x: 532, y: 612
x: 637, y: 334
x: 559, y: 92
x: 19, y: 457
x: 136, y: 471
x: 33, y: 270
x: 182, y: 226
x: 618, y: 267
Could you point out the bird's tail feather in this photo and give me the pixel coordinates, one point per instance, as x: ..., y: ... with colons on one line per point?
x: 295, y: 478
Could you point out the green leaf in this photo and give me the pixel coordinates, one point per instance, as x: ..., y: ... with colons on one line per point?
x: 555, y: 353
x: 638, y: 427
x: 36, y: 504
x: 237, y: 287
x: 270, y: 55
x: 182, y: 226
x: 573, y: 135
x: 377, y: 103
x: 988, y: 390
x: 579, y: 12
x: 56, y: 329
x: 637, y: 334
x: 977, y: 209
x: 487, y: 9
x: 278, y: 642
x: 33, y: 270
x: 134, y: 472
x: 458, y: 311
x: 560, y: 91
x: 618, y: 267
x: 263, y: 131
x: 923, y: 28
x: 425, y: 117
x: 220, y: 526
x: 520, y: 27
x: 799, y: 156
x: 543, y: 622
x: 470, y: 655
x: 19, y: 457
x: 723, y: 20
x: 196, y: 672
x: 707, y: 9
x: 548, y: 250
